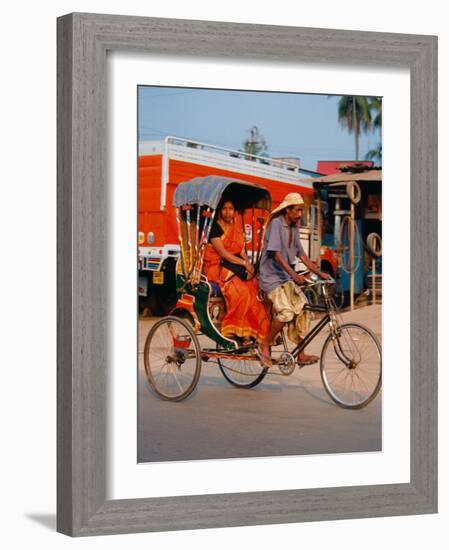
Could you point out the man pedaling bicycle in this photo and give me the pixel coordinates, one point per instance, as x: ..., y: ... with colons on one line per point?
x: 280, y: 282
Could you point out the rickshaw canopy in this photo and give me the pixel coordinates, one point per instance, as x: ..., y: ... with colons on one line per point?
x: 209, y: 190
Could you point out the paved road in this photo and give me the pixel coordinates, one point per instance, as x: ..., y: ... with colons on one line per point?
x: 284, y: 415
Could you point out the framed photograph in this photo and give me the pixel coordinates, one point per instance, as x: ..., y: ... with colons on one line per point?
x: 287, y: 410
x: 140, y: 451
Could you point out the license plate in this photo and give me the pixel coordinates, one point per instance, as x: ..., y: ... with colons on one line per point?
x: 158, y: 277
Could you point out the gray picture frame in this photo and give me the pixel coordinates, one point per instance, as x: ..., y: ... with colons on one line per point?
x: 83, y: 41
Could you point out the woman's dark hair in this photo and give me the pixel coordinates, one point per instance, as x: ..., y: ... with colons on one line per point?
x: 222, y: 202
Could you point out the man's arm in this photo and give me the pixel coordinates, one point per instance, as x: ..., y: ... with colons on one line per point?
x: 306, y: 260
x: 313, y: 267
x: 286, y: 267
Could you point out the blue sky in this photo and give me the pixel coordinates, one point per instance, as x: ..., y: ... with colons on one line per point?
x: 296, y: 125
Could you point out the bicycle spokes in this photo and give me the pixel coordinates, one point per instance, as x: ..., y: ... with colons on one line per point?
x: 346, y: 347
x: 351, y: 366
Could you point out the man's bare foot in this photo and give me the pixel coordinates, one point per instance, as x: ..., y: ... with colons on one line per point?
x: 304, y: 359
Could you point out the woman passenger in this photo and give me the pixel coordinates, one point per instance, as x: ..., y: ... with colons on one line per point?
x: 246, y: 318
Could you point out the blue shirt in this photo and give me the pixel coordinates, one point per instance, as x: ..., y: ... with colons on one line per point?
x: 271, y: 274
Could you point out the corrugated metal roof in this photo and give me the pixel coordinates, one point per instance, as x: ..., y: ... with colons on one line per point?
x: 341, y: 177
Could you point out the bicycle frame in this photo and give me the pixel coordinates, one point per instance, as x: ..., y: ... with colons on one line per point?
x: 315, y: 331
x: 242, y: 366
x: 327, y: 309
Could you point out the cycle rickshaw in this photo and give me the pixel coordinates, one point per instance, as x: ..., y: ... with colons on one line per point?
x: 350, y: 362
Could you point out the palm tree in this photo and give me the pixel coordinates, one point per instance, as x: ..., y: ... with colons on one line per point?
x: 375, y: 154
x: 354, y: 114
x: 375, y: 104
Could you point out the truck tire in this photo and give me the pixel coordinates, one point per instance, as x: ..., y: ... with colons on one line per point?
x: 161, y: 299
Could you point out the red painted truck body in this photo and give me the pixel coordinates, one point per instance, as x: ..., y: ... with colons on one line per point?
x: 162, y: 165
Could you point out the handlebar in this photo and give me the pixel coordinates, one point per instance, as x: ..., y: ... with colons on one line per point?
x: 313, y: 279
x: 321, y: 282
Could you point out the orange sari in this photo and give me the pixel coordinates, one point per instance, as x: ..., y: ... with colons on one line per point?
x: 245, y: 316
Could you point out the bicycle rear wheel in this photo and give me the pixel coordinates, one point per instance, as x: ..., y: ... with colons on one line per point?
x: 172, y: 358
x: 242, y: 373
x: 351, y: 366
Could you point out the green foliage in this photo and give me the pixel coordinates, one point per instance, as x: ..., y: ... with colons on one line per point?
x: 354, y: 114
x: 375, y: 154
x: 375, y: 105
x: 360, y: 114
x: 255, y: 143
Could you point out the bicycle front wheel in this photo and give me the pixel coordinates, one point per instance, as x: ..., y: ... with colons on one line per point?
x: 351, y: 366
x: 172, y: 358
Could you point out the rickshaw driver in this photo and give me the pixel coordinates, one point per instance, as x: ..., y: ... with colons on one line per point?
x: 279, y: 280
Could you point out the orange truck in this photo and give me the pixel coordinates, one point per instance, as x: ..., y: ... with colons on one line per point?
x: 162, y: 165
